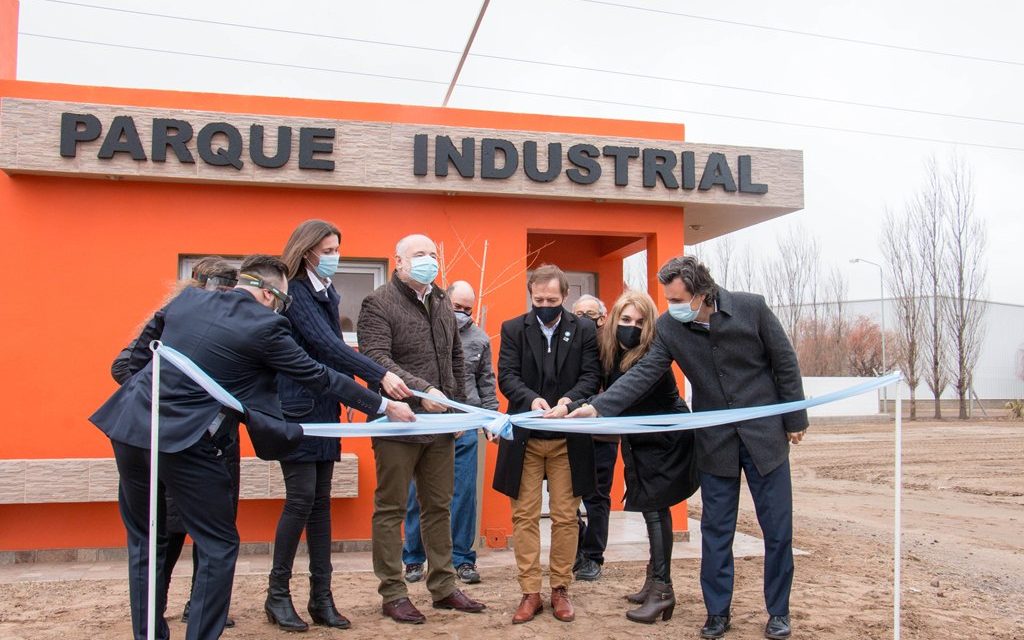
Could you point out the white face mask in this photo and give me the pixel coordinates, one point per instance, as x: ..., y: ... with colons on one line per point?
x: 423, y: 269
x: 682, y: 311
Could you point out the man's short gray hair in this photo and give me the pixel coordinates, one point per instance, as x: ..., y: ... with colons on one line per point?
x: 586, y: 297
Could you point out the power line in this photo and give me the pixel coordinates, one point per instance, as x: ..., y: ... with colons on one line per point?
x: 747, y: 118
x: 809, y: 34
x: 547, y: 64
x: 253, y: 27
x: 784, y: 94
x: 531, y: 93
x: 230, y: 59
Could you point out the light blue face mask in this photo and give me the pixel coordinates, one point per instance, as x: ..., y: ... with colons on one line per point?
x: 328, y: 265
x: 423, y: 269
x: 682, y: 312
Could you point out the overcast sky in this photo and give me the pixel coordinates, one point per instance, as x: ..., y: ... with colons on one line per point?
x: 849, y: 177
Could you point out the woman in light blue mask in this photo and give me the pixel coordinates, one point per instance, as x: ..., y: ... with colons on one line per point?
x: 312, y: 257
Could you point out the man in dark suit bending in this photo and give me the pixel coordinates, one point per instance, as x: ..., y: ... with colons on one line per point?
x: 238, y: 338
x: 735, y: 354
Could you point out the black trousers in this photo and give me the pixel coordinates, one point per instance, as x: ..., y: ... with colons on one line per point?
x: 307, y: 506
x: 773, y: 503
x: 176, y: 528
x: 594, y: 532
x: 199, y: 483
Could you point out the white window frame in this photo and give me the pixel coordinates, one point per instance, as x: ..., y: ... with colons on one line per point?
x: 377, y: 268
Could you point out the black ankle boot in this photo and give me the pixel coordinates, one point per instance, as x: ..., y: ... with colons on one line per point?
x: 641, y: 596
x: 279, y: 607
x: 321, y: 605
x: 661, y: 601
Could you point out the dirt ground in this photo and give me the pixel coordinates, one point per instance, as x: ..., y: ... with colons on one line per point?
x: 963, y: 562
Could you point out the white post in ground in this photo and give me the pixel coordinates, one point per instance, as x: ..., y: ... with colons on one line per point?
x: 898, y: 532
x: 154, y: 456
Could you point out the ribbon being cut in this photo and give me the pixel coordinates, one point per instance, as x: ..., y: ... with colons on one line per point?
x: 501, y: 424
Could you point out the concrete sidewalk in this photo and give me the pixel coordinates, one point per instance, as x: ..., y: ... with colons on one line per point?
x: 627, y: 543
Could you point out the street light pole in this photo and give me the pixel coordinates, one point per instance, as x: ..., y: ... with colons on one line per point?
x: 881, y: 301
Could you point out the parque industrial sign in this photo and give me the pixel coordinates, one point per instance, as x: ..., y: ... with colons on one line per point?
x: 147, y: 143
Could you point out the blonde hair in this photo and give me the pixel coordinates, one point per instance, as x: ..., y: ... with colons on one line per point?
x: 607, y: 340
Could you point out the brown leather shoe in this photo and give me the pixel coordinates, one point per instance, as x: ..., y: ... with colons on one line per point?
x: 529, y: 607
x: 562, y: 605
x: 404, y: 611
x: 460, y: 602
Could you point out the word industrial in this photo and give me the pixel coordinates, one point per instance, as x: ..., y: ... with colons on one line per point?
x: 499, y: 159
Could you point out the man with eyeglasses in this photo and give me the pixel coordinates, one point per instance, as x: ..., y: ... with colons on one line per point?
x: 594, y: 530
x: 234, y: 337
x: 592, y: 307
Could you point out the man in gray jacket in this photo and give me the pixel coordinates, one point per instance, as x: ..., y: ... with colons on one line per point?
x: 735, y: 354
x: 476, y: 352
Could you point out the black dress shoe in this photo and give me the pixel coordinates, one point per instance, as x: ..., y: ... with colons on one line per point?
x: 588, y: 570
x: 777, y: 628
x: 715, y: 627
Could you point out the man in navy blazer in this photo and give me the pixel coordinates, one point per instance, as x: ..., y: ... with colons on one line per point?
x: 735, y: 354
x: 238, y: 338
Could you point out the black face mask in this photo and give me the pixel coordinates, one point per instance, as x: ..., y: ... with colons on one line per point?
x: 628, y: 337
x: 547, y: 315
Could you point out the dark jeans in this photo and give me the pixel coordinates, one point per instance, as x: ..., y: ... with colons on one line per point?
x: 773, y: 503
x: 463, y: 509
x: 199, y: 483
x: 594, y: 531
x: 307, y: 505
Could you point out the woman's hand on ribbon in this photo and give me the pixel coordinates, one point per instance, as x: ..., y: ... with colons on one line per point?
x: 586, y: 411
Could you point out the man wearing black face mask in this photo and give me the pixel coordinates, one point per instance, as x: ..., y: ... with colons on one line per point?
x: 548, y: 356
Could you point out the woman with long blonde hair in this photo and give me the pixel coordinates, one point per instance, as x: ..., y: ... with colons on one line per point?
x: 659, y: 467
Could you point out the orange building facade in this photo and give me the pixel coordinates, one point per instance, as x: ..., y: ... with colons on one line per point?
x: 94, y: 255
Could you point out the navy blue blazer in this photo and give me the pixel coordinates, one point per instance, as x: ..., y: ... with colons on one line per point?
x: 243, y: 346
x: 316, y: 328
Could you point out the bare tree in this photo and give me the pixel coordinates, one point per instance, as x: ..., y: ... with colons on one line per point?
x: 964, y: 277
x: 906, y: 284
x: 722, y: 259
x: 748, y: 271
x: 791, y: 278
x: 928, y: 213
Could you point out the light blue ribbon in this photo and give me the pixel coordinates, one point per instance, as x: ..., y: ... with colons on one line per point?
x: 501, y: 424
